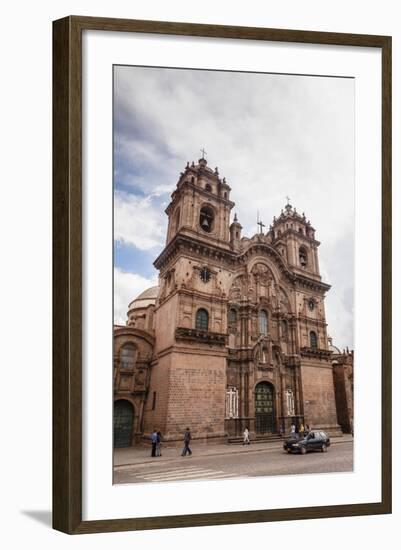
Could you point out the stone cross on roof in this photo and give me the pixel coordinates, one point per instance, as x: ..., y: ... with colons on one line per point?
x: 260, y: 223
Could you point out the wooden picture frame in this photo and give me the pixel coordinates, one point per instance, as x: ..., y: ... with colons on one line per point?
x: 67, y: 273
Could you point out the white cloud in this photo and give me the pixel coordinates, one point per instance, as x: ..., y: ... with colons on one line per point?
x: 127, y: 286
x: 137, y: 221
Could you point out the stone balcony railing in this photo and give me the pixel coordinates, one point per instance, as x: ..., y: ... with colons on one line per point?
x: 201, y: 336
x: 316, y: 352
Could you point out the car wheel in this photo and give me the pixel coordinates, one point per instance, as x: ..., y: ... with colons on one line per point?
x: 289, y: 451
x: 303, y: 451
x: 324, y: 448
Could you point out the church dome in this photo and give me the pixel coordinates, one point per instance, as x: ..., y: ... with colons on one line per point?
x: 332, y: 347
x: 146, y: 298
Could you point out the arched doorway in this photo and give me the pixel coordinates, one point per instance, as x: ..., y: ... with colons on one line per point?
x: 264, y: 408
x: 123, y: 423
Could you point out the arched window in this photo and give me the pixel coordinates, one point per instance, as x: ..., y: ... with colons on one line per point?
x: 202, y: 320
x: 313, y: 339
x: 232, y: 316
x: 206, y: 218
x: 127, y: 356
x: 263, y: 320
x: 303, y: 257
x: 192, y: 179
x: 208, y: 187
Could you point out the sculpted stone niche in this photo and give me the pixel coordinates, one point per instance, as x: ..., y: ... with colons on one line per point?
x: 283, y: 302
x: 238, y: 290
x: 140, y: 378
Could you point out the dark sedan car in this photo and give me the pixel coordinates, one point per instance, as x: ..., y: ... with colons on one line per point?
x: 315, y: 440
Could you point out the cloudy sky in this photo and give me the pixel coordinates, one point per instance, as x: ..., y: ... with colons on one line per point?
x: 270, y: 135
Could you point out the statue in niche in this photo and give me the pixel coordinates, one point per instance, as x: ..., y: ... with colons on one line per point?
x: 283, y: 301
x: 251, y: 294
x: 262, y: 355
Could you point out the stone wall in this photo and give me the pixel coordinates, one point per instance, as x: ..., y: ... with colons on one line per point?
x: 190, y: 392
x: 318, y: 396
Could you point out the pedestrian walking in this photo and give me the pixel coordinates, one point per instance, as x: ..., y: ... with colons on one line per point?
x: 246, y: 436
x: 292, y: 430
x: 154, y: 442
x: 159, y: 444
x: 281, y: 431
x: 301, y: 429
x: 307, y: 429
x: 187, y: 441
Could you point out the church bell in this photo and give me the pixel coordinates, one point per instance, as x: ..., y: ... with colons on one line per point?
x: 205, y: 223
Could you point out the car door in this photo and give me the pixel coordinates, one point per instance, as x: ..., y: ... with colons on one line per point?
x: 318, y: 441
x: 313, y: 441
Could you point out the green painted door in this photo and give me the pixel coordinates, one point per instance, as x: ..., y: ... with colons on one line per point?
x: 264, y: 408
x: 123, y: 423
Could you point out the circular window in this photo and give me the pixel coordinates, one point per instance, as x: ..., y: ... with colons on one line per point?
x: 206, y: 219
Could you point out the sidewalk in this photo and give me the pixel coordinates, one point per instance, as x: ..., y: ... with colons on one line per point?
x: 140, y: 454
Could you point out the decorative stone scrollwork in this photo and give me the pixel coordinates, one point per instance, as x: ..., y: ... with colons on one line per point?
x: 238, y: 289
x: 140, y: 377
x: 262, y: 274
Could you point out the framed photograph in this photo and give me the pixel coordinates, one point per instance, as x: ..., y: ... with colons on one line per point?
x: 222, y: 275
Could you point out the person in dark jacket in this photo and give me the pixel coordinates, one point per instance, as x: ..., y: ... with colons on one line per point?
x: 154, y: 442
x: 187, y: 441
x: 159, y: 444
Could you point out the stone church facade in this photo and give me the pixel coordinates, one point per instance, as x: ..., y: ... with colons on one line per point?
x: 235, y: 334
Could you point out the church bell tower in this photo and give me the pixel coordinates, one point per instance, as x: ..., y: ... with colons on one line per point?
x: 200, y: 205
x: 189, y: 375
x: 293, y: 235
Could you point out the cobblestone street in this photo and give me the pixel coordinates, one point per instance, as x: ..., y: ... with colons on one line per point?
x: 228, y: 462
